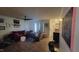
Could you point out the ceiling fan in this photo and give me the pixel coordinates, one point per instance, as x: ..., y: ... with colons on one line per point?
x: 25, y: 18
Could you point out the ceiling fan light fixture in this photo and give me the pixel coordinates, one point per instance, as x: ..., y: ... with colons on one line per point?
x: 26, y: 18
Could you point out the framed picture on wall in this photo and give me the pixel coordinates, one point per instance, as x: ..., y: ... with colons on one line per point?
x: 2, y: 27
x: 66, y: 27
x: 16, y: 23
x: 1, y: 20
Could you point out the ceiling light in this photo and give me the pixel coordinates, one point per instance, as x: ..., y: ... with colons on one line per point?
x: 60, y: 19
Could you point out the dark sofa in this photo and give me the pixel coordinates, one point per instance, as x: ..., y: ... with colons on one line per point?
x: 15, y: 36
x: 11, y: 38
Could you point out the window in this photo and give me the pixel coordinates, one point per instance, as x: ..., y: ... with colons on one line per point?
x: 35, y: 27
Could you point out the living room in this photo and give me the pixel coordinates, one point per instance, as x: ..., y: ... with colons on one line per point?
x: 21, y: 25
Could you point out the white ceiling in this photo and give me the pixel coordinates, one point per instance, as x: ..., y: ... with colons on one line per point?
x: 32, y: 12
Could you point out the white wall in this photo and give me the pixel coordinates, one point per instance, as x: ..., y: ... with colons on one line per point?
x: 8, y: 23
x: 51, y: 25
x: 45, y: 29
x: 29, y: 25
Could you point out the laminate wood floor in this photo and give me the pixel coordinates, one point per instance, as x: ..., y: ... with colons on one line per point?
x: 41, y: 46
